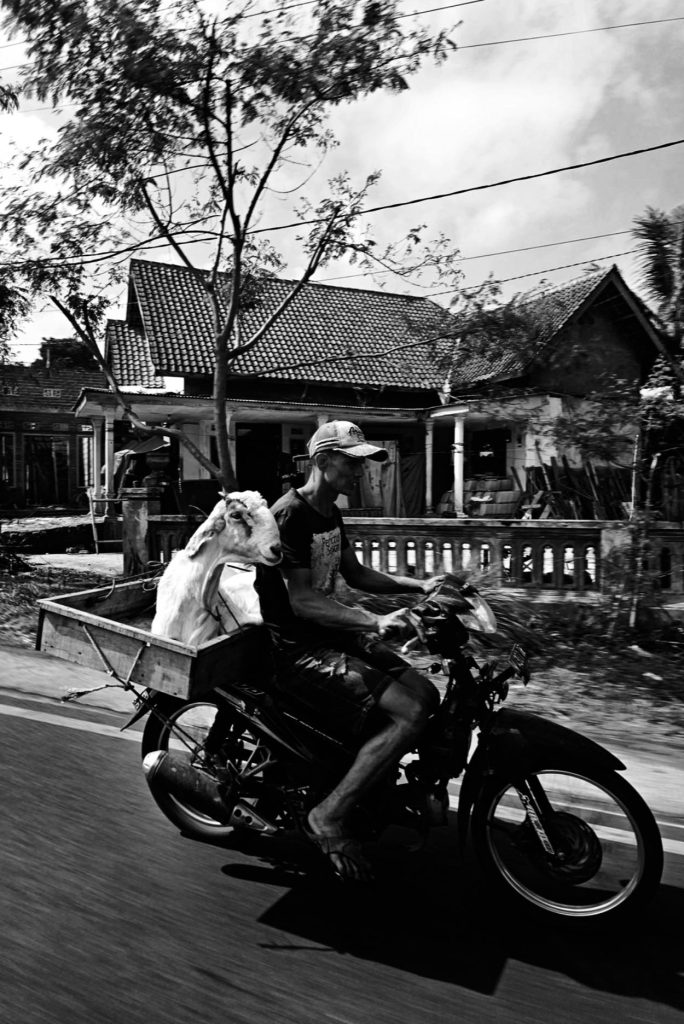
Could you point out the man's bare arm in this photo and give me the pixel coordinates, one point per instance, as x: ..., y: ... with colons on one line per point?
x: 315, y: 607
x: 363, y: 577
x: 311, y: 604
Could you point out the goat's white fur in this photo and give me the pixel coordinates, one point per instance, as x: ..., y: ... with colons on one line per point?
x: 239, y: 529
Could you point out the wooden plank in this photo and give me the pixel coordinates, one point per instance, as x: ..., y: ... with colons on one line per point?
x: 69, y: 629
x: 156, y: 666
x: 599, y: 507
x: 65, y: 613
x: 518, y: 482
x: 245, y: 656
x: 111, y: 601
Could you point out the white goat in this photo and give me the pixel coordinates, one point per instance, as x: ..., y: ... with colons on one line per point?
x: 240, y: 529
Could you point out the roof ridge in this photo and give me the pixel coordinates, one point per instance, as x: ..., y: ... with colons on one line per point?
x: 294, y: 280
x: 542, y: 293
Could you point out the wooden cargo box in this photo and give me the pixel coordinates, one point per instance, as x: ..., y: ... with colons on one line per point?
x: 108, y: 629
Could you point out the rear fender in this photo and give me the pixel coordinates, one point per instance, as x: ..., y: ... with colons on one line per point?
x: 520, y: 742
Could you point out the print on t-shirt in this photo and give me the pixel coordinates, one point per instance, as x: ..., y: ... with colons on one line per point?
x: 325, y: 560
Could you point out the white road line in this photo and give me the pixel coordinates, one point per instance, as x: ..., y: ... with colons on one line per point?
x: 669, y: 845
x: 675, y: 846
x: 68, y: 723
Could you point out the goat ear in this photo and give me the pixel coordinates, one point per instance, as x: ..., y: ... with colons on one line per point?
x: 208, y: 530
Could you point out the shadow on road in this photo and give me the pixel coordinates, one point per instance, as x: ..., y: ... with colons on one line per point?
x: 429, y: 915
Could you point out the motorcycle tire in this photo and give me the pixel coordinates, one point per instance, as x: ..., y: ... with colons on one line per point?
x: 184, y: 727
x: 607, y: 859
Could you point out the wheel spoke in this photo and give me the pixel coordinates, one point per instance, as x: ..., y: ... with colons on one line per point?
x: 598, y: 858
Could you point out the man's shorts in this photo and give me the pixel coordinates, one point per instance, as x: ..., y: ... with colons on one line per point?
x: 339, y: 680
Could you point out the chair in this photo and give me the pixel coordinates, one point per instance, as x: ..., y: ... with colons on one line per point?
x: 106, y: 521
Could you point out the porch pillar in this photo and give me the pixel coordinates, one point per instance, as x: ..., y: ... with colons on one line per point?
x: 109, y: 455
x: 457, y: 449
x: 97, y: 458
x: 321, y: 418
x: 429, y: 440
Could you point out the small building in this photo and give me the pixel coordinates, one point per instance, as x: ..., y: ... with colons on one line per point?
x: 46, y: 455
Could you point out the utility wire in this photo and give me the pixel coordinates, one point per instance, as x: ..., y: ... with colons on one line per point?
x: 475, y: 46
x: 489, y: 255
x: 389, y: 206
x: 423, y: 341
x: 451, y: 291
x: 276, y: 10
x: 573, y: 32
x: 546, y: 270
x: 475, y: 188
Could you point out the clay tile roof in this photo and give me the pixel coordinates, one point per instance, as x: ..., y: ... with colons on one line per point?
x: 129, y: 356
x: 56, y: 390
x: 547, y: 311
x: 551, y: 308
x: 365, y: 337
x: 328, y: 335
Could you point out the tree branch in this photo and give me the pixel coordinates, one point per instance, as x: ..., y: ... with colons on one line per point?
x: 153, y: 431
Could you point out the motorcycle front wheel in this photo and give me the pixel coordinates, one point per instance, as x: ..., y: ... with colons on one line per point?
x: 184, y: 728
x: 600, y: 860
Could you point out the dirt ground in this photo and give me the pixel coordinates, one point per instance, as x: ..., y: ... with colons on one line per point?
x: 622, y: 688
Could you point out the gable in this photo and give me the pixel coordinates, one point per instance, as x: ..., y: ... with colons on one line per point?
x: 574, y: 333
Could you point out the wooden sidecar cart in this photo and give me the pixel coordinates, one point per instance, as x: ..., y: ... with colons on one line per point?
x: 108, y: 629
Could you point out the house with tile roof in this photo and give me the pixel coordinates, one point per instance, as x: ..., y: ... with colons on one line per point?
x: 46, y: 455
x: 397, y: 365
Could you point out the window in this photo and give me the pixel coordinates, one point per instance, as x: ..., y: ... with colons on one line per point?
x: 52, y: 392
x: 10, y: 389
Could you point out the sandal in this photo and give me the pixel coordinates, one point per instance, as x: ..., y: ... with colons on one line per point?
x: 344, y: 855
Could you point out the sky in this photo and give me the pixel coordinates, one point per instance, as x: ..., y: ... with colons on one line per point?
x: 493, y: 112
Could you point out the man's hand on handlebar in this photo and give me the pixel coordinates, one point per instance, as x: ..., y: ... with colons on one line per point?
x: 432, y: 583
x: 396, y: 625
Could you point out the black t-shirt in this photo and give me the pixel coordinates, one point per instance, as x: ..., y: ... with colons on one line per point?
x: 310, y: 541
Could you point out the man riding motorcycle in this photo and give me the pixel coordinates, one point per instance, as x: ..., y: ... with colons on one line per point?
x: 331, y: 655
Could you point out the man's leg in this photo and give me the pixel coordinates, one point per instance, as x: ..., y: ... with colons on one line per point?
x: 407, y: 701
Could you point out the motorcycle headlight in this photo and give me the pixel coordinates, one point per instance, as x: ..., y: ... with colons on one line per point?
x: 480, y: 618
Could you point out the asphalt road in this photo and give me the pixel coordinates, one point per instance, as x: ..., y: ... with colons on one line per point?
x: 108, y: 914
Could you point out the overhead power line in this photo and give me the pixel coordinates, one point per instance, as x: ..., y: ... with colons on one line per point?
x: 451, y: 291
x: 570, y: 32
x: 545, y: 270
x: 388, y: 206
x: 490, y: 255
x: 276, y: 10
x: 477, y: 188
x: 473, y: 46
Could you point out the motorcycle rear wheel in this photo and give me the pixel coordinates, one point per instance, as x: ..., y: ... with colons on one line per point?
x: 609, y: 854
x: 184, y: 728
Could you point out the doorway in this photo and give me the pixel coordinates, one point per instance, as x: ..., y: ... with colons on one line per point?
x: 46, y: 465
x: 260, y: 458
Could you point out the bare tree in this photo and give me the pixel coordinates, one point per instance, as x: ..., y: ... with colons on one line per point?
x: 182, y: 125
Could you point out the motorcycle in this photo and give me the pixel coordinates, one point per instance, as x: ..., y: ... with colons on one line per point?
x: 554, y: 828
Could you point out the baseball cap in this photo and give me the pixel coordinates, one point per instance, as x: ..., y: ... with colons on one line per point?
x: 343, y: 436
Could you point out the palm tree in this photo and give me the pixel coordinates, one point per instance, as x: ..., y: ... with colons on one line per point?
x: 660, y: 238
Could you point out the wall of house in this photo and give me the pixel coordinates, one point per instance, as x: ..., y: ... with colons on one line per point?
x: 584, y: 353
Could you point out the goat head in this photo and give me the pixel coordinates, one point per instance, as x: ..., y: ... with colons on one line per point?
x: 243, y: 527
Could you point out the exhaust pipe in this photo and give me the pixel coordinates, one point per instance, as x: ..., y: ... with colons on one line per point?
x: 171, y: 771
